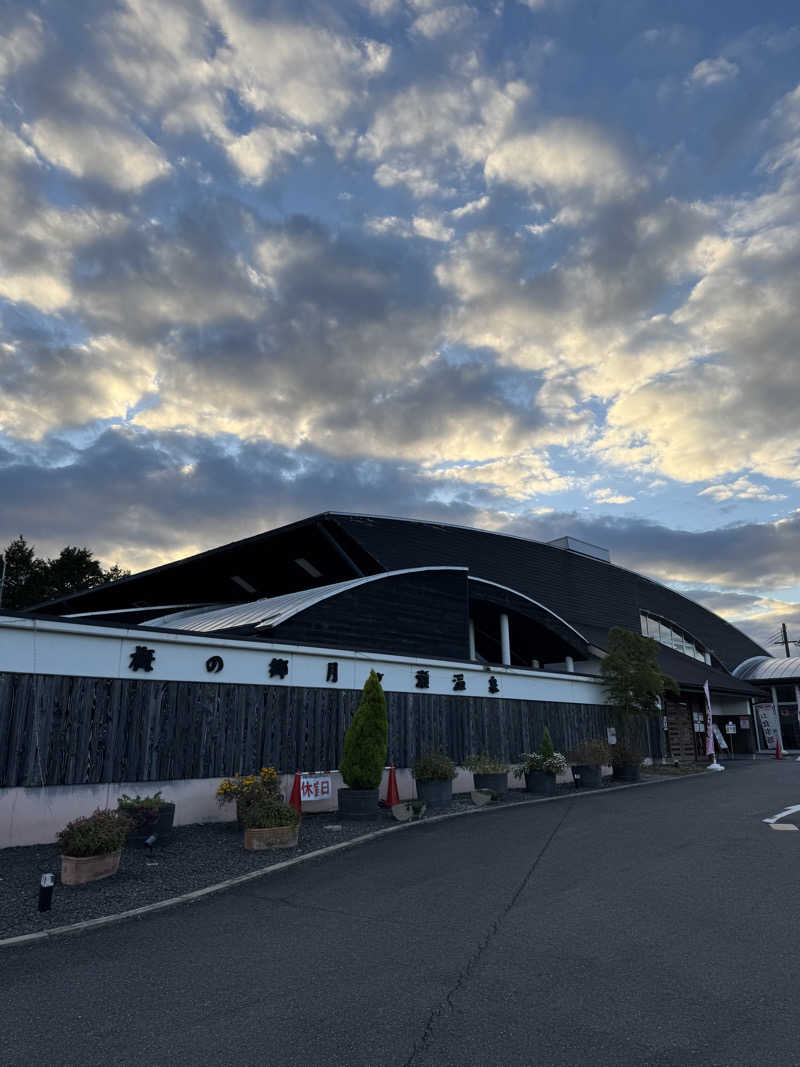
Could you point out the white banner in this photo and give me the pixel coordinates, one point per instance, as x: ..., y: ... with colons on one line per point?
x: 709, y: 723
x: 768, y: 718
x: 720, y: 738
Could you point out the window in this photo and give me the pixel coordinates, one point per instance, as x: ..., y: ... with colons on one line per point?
x: 666, y: 633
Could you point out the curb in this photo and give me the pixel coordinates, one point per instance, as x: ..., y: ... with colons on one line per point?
x: 240, y: 879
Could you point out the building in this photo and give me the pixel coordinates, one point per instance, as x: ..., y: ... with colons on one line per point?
x: 255, y: 652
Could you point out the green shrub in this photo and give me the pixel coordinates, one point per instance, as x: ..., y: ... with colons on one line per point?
x: 434, y: 767
x: 555, y: 763
x: 364, y: 751
x: 139, y: 803
x: 483, y: 764
x: 547, y: 748
x: 266, y: 812
x: 95, y: 835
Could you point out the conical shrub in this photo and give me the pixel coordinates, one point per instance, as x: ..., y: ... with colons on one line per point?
x: 364, y: 751
x: 546, y: 748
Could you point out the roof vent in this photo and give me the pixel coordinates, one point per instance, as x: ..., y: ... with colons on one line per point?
x: 583, y: 548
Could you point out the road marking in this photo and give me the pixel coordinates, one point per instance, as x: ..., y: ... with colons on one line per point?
x: 780, y: 815
x: 782, y: 826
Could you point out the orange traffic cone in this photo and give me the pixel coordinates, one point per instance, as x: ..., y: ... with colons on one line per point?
x: 392, y: 796
x: 295, y: 800
x: 778, y: 751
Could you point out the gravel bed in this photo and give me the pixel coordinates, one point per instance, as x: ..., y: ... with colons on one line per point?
x: 194, y: 857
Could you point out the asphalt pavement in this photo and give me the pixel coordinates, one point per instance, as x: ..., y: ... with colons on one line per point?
x: 650, y: 926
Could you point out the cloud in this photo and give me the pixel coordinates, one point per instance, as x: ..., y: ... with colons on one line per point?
x: 45, y: 384
x: 38, y: 240
x: 608, y: 496
x: 432, y: 228
x: 471, y: 208
x: 412, y: 136
x: 262, y: 152
x: 143, y: 499
x: 442, y: 20
x: 745, y: 556
x: 120, y: 155
x: 758, y: 616
x: 710, y: 72
x: 23, y: 44
x: 740, y: 489
x: 563, y: 157
x: 421, y: 180
x: 308, y: 74
x: 514, y: 477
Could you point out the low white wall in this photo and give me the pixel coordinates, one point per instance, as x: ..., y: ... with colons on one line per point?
x: 56, y: 647
x: 30, y: 816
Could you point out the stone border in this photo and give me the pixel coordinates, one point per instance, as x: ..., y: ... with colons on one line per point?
x: 240, y: 879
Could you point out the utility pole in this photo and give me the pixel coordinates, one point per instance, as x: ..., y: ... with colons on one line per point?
x: 785, y: 638
x: 2, y: 580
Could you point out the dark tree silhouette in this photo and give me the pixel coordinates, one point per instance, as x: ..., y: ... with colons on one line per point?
x: 31, y: 580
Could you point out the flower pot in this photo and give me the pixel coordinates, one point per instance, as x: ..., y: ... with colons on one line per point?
x: 435, y: 792
x: 272, y: 837
x: 158, y: 825
x: 587, y: 776
x: 540, y: 782
x: 498, y: 783
x: 358, y: 803
x: 627, y: 771
x: 77, y: 870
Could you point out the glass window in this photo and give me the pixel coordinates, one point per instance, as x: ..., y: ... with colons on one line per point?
x: 672, y: 637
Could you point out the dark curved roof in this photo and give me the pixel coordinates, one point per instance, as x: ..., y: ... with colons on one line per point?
x: 589, y: 594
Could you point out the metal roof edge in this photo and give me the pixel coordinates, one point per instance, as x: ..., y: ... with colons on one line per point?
x: 524, y: 596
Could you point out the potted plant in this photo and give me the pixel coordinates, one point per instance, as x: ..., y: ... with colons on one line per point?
x: 364, y: 754
x: 434, y: 773
x: 91, y: 846
x: 488, y: 772
x: 541, y: 768
x: 588, y: 759
x: 634, y: 684
x: 257, y: 801
x: 151, y: 816
x: 269, y: 823
x: 626, y: 763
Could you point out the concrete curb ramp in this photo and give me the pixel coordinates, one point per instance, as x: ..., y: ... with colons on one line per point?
x: 229, y: 883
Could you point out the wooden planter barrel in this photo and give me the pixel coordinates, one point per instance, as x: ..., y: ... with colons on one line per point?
x: 271, y: 837
x: 77, y: 870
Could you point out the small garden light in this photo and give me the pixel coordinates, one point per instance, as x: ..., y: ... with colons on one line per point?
x: 46, y: 892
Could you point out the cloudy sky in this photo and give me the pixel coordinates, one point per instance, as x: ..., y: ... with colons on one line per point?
x: 525, y: 264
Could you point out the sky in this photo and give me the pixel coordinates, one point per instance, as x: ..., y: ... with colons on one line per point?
x: 529, y: 265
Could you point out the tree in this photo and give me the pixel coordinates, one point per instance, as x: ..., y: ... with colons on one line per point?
x: 364, y: 751
x: 30, y: 580
x: 634, y: 684
x: 547, y: 748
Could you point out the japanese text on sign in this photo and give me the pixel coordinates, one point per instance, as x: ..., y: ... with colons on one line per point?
x: 315, y: 787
